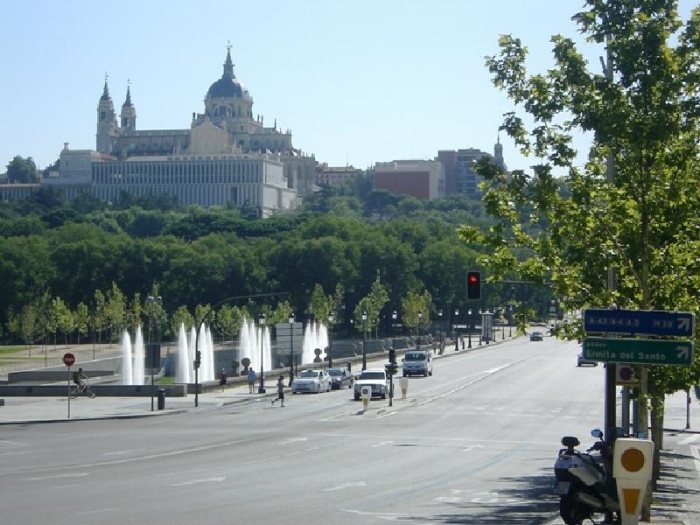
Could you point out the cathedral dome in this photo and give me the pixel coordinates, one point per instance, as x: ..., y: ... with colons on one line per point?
x: 228, y: 85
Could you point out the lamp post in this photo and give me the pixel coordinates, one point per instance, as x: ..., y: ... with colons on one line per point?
x: 420, y: 321
x: 481, y: 314
x: 331, y: 320
x: 439, y: 331
x: 510, y: 321
x: 394, y: 318
x: 261, y: 322
x: 471, y: 325
x: 150, y: 300
x: 364, y: 350
x: 456, y: 332
x: 291, y: 346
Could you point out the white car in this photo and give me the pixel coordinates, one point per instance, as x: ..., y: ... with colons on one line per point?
x: 376, y: 379
x: 314, y: 381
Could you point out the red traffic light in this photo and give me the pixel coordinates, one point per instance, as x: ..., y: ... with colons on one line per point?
x: 473, y: 286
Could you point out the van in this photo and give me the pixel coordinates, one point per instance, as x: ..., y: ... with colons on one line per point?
x: 417, y: 362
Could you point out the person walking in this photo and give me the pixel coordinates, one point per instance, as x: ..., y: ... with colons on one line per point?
x: 222, y: 381
x: 280, y: 392
x: 251, y: 379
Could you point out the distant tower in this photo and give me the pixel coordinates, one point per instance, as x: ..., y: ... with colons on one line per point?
x: 107, y: 127
x: 128, y: 114
x: 498, y: 154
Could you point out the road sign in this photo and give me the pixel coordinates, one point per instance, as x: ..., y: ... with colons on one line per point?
x: 639, y: 351
x: 647, y: 322
x: 68, y: 359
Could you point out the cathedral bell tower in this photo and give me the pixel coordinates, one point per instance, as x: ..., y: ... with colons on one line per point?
x: 128, y: 114
x: 107, y: 127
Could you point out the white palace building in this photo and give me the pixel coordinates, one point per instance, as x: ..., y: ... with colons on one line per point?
x: 226, y: 158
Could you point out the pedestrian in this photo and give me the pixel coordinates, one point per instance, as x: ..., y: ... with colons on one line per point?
x: 251, y: 379
x: 280, y: 392
x: 222, y: 381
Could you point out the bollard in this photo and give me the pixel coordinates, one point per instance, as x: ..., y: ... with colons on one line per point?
x: 161, y: 399
x: 366, y: 393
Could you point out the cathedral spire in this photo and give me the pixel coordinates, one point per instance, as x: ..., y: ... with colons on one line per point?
x: 105, y: 91
x: 127, y: 102
x: 228, y: 65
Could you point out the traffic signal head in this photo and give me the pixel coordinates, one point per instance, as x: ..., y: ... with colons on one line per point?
x: 391, y: 369
x: 473, y: 286
x: 392, y: 355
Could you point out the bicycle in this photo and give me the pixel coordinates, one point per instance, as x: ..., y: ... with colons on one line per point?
x: 75, y: 391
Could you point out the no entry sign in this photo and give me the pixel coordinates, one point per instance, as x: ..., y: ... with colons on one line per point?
x: 68, y: 359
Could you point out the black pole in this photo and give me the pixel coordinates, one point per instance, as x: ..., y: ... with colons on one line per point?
x: 364, y: 351
x: 330, y: 346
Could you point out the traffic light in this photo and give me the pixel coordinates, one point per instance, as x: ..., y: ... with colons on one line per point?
x: 473, y: 286
x: 197, y: 360
x: 392, y: 355
x: 391, y: 369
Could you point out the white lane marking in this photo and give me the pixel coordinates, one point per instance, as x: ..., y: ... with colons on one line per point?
x: 293, y: 440
x: 195, y: 481
x: 99, y: 511
x: 118, y: 452
x: 688, y: 440
x: 382, y: 443
x: 346, y: 485
x: 76, y: 475
x: 696, y: 454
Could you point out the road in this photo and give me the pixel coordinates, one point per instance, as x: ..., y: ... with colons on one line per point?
x: 474, y: 443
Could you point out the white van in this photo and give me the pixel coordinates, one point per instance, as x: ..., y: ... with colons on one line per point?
x: 417, y: 362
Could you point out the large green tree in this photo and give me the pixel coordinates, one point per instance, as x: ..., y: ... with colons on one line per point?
x: 633, y: 207
x: 22, y: 170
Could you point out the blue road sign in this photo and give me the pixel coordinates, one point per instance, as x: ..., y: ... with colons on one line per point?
x: 647, y: 322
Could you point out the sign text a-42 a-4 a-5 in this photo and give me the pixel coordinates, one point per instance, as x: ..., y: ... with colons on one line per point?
x: 639, y: 351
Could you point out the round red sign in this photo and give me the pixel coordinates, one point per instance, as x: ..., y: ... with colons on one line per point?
x: 68, y: 359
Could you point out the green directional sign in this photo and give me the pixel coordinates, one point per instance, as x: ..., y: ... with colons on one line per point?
x: 639, y: 351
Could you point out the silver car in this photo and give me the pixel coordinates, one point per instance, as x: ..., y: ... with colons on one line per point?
x: 314, y: 381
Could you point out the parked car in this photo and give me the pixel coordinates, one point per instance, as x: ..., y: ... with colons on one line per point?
x: 315, y: 381
x: 536, y: 336
x: 376, y: 379
x: 417, y: 363
x: 583, y: 361
x: 340, y: 378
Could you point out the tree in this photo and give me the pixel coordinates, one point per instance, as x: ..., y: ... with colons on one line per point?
x: 632, y: 207
x: 21, y: 170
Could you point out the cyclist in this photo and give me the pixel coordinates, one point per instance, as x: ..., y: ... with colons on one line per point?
x: 79, y: 379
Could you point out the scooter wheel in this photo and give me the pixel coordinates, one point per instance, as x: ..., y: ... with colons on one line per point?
x: 571, y: 511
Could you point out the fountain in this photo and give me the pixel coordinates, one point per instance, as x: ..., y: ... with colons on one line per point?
x: 138, y: 376
x: 315, y: 336
x: 127, y: 371
x: 182, y: 371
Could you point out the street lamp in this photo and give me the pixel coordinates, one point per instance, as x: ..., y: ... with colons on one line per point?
x: 510, y: 321
x: 420, y: 321
x: 291, y: 353
x: 364, y: 350
x: 261, y: 322
x: 439, y: 330
x: 456, y: 332
x: 481, y: 314
x: 331, y: 320
x: 469, y: 323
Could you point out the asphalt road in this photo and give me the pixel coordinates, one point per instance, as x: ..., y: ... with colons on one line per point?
x: 474, y: 443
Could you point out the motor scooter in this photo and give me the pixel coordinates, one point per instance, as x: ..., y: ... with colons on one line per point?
x: 584, y: 481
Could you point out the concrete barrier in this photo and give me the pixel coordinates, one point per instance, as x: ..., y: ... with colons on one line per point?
x: 100, y: 390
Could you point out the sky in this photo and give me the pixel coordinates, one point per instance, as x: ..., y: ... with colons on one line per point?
x: 356, y: 81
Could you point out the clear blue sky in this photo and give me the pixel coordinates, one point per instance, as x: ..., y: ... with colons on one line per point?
x: 356, y: 81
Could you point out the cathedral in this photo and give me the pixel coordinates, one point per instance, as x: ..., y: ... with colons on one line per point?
x: 226, y: 157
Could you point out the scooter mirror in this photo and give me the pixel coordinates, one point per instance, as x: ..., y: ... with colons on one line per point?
x: 597, y: 433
